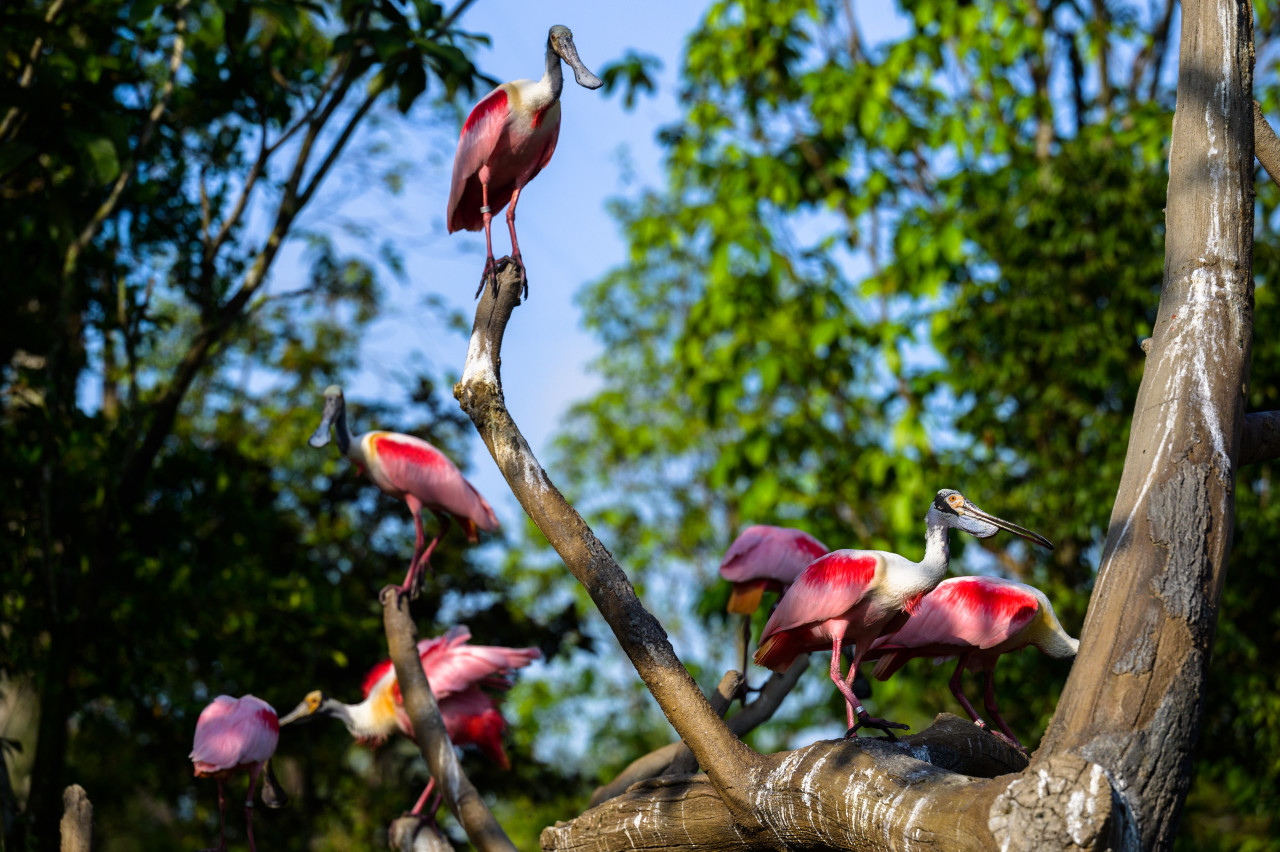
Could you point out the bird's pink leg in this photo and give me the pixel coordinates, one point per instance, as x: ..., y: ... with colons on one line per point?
x: 248, y: 804
x: 515, y: 246
x: 422, y: 800
x: 865, y: 719
x: 410, y: 586
x: 989, y: 700
x: 958, y: 691
x: 222, y: 818
x: 490, y: 265
x: 837, y: 677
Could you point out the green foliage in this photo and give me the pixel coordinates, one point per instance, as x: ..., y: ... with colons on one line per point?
x: 880, y: 269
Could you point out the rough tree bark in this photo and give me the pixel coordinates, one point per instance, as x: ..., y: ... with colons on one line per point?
x: 1132, y: 702
x: 1113, y: 769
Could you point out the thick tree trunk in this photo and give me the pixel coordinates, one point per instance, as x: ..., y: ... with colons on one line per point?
x: 1133, y: 701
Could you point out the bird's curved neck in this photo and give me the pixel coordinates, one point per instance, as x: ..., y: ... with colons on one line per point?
x: 937, y: 547
x: 554, y: 76
x: 362, y: 720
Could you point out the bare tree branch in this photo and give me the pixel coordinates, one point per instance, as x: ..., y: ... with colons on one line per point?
x: 1260, y: 440
x: 77, y: 820
x: 29, y: 70
x: 429, y: 731
x: 683, y: 763
x: 1266, y: 147
x: 727, y: 760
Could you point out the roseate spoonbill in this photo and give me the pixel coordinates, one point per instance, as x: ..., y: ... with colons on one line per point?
x: 853, y: 596
x: 508, y: 138
x: 456, y: 672
x: 234, y: 734
x: 413, y: 470
x: 976, y: 619
x: 764, y: 558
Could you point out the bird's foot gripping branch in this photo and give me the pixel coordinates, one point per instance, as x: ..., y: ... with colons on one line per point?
x: 948, y: 785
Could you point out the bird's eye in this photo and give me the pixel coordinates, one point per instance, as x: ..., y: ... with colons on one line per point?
x: 956, y: 501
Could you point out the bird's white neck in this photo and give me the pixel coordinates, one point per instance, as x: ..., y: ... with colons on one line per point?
x: 368, y: 718
x: 937, y: 547
x: 553, y: 78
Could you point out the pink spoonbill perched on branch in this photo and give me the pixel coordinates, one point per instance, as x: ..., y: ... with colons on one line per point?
x: 977, y: 619
x: 234, y: 734
x: 508, y: 138
x: 412, y: 470
x: 766, y: 559
x: 457, y: 673
x: 763, y: 559
x: 851, y: 597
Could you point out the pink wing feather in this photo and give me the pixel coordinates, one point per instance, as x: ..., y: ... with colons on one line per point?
x: 476, y: 144
x: 776, y: 553
x: 830, y: 586
x: 968, y: 612
x: 416, y: 467
x: 453, y: 666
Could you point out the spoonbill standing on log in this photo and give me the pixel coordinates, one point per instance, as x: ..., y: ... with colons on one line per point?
x: 977, y: 619
x: 764, y: 558
x: 456, y: 672
x: 508, y: 138
x: 413, y: 470
x: 234, y: 734
x: 851, y: 597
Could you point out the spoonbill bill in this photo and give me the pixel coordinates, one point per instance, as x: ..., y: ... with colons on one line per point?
x: 458, y: 673
x: 234, y: 734
x: 977, y: 619
x: 851, y: 597
x: 508, y: 138
x: 412, y: 470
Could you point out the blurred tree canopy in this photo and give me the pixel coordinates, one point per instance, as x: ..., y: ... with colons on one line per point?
x: 878, y: 269
x: 167, y: 535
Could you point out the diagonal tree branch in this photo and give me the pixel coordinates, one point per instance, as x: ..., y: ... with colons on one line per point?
x: 429, y: 731
x: 727, y: 760
x: 1266, y: 147
x: 28, y: 71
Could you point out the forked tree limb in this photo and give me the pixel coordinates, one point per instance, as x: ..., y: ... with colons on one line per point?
x: 459, y: 793
x: 727, y: 760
